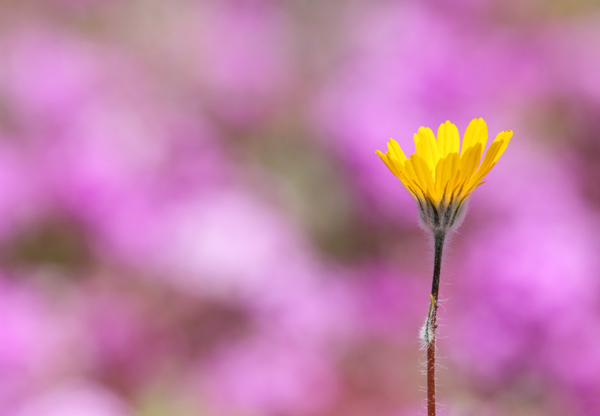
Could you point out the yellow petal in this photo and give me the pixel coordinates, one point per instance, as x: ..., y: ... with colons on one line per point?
x: 468, y: 191
x: 491, y: 157
x: 469, y: 161
x: 438, y: 181
x: 454, y: 173
x: 506, y: 136
x: 398, y: 165
x: 427, y: 147
x: 423, y: 174
x: 412, y: 178
x: 450, y: 170
x: 396, y: 150
x: 444, y: 173
x: 447, y: 139
x: 398, y: 170
x: 476, y: 132
x: 387, y: 162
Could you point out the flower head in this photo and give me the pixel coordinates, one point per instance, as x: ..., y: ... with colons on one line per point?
x: 440, y: 175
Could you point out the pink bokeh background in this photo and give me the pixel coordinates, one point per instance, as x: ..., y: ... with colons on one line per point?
x: 194, y: 222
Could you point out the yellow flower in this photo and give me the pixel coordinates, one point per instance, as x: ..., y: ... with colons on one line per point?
x: 439, y: 175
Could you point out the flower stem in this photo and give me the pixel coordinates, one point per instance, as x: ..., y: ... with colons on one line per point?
x: 439, y: 238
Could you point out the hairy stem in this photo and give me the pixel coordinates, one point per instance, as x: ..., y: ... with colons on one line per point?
x: 431, y: 329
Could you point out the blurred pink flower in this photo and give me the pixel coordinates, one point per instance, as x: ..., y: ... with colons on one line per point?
x: 236, y: 53
x: 272, y: 377
x: 21, y: 197
x: 573, y: 57
x: 528, y: 290
x: 75, y: 399
x: 36, y: 342
x: 216, y: 242
x: 389, y: 303
x: 48, y: 74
